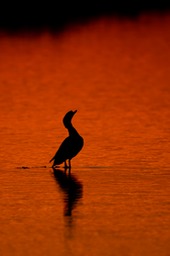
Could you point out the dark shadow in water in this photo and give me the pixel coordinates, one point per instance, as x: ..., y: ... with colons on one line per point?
x: 72, y: 188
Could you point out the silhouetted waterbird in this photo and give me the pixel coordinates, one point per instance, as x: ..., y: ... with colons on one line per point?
x: 71, y: 146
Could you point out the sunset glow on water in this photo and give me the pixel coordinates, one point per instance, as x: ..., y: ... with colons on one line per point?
x: 116, y: 73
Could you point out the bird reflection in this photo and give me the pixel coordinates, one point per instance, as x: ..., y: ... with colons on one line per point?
x: 72, y: 188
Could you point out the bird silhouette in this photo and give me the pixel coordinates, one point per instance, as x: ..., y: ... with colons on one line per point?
x: 71, y: 146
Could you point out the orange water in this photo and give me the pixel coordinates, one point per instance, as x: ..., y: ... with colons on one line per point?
x: 116, y: 73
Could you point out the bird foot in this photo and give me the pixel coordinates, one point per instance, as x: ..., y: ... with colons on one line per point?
x: 66, y: 167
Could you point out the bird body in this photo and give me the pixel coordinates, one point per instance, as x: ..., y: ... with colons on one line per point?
x: 71, y: 146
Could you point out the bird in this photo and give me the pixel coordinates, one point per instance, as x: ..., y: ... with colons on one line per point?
x: 71, y: 146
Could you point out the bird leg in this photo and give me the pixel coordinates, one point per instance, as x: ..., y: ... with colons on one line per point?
x: 69, y: 163
x: 65, y: 165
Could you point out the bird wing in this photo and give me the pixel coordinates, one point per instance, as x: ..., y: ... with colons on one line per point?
x: 68, y: 149
x: 63, y: 152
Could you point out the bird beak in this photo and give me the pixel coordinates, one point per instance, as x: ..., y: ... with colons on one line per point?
x: 74, y: 111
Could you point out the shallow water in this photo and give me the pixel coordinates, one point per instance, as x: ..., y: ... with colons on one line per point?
x: 116, y: 200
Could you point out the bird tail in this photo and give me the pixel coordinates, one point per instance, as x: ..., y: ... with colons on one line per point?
x: 51, y: 160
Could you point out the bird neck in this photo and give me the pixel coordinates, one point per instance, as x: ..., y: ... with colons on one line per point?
x: 71, y: 130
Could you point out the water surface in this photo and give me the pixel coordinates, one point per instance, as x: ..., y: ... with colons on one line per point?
x: 116, y: 201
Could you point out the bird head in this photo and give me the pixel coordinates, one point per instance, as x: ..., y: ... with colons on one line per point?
x: 68, y: 117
